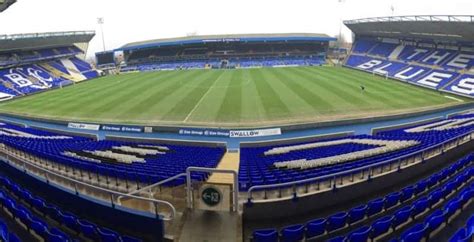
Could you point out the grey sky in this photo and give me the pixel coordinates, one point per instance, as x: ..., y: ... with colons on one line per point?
x: 135, y: 20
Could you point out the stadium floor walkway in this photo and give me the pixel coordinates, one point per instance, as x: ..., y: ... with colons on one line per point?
x: 230, y: 161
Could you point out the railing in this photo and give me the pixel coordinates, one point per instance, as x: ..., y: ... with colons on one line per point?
x: 189, y: 188
x: 414, y: 18
x: 111, y: 193
x: 45, y: 35
x: 149, y: 187
x: 370, y: 168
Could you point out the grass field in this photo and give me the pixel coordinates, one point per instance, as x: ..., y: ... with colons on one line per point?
x: 245, y: 97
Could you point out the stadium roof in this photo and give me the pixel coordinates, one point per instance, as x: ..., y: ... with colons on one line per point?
x: 43, y: 40
x: 438, y: 28
x: 4, y: 4
x: 227, y: 38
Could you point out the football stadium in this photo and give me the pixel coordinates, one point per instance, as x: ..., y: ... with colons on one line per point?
x: 263, y: 136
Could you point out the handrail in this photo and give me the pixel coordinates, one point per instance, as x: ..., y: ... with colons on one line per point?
x: 153, y: 185
x: 313, y: 179
x: 157, y: 184
x: 76, y: 182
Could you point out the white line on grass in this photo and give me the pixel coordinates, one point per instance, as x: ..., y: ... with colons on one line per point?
x: 457, y: 99
x: 202, y: 98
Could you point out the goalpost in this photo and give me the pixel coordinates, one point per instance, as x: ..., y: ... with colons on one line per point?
x: 380, y: 74
x: 65, y: 83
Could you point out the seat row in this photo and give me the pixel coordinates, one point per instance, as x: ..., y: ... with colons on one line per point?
x: 26, y: 217
x: 417, y: 232
x: 451, y: 177
x: 151, y: 168
x: 79, y: 227
x: 256, y: 168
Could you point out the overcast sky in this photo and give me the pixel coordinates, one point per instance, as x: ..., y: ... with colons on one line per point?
x: 135, y: 20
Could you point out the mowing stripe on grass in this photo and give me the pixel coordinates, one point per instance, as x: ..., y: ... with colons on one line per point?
x: 273, y: 105
x: 230, y: 109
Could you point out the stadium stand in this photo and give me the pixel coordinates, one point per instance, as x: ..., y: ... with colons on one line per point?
x: 437, y: 63
x: 25, y: 71
x: 436, y: 69
x: 227, y: 51
x: 437, y: 199
x: 31, y: 210
x: 406, y: 189
x: 268, y: 165
x: 119, y: 165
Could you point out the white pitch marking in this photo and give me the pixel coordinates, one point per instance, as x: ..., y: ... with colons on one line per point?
x: 202, y: 98
x: 457, y: 99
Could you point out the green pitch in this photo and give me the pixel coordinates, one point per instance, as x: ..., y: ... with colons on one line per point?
x: 243, y: 97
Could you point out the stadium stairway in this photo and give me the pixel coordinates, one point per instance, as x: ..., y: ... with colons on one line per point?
x: 73, y: 71
x: 395, y: 53
x: 198, y: 225
x: 10, y: 86
x: 211, y: 226
x: 59, y: 73
x: 230, y: 161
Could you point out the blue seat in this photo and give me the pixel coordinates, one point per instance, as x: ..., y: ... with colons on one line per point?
x: 420, y: 206
x: 375, y: 206
x: 130, y: 239
x: 108, y: 235
x: 402, y: 216
x: 88, y: 229
x: 461, y: 235
x: 40, y: 228
x: 265, y: 235
x: 434, y: 197
x: 407, y: 193
x: 433, y: 180
x: 420, y: 187
x: 357, y: 214
x: 53, y: 212
x: 337, y: 239
x: 392, y: 199
x: 452, y: 207
x: 13, y: 238
x: 360, y: 235
x: 435, y: 220
x: 337, y: 221
x: 315, y: 227
x: 24, y: 216
x: 470, y: 225
x: 39, y: 205
x: 381, y: 226
x: 3, y: 231
x: 414, y: 234
x: 292, y: 233
x: 466, y: 195
x: 450, y: 187
x: 70, y: 220
x: 56, y: 235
